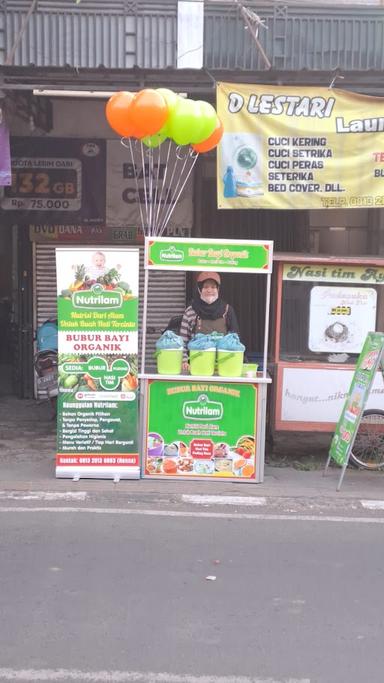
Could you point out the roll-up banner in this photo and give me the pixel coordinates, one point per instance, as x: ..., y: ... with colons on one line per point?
x: 97, y: 296
x: 299, y: 148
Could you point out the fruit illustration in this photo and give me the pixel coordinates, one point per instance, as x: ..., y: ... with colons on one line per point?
x: 80, y: 276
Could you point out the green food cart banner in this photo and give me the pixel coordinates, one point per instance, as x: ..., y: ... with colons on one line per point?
x: 97, y: 303
x: 231, y: 256
x: 201, y: 430
x: 364, y: 375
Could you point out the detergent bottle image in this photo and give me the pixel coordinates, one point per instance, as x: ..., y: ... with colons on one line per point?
x: 229, y: 183
x: 241, y: 159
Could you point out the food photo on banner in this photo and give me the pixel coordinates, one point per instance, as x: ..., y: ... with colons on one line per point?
x: 97, y: 297
x: 298, y: 148
x: 63, y: 179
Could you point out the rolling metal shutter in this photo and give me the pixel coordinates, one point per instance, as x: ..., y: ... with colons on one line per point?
x: 167, y: 294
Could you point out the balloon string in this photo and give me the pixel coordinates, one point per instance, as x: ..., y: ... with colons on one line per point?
x: 168, y: 195
x: 173, y: 190
x: 137, y: 184
x: 150, y: 199
x: 153, y: 229
x: 145, y: 187
x: 172, y: 208
x: 163, y: 185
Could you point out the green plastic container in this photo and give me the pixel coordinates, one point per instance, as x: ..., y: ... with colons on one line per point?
x: 169, y: 361
x: 250, y: 369
x: 202, y: 362
x: 230, y: 363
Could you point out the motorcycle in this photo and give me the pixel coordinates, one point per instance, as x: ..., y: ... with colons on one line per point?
x: 46, y: 362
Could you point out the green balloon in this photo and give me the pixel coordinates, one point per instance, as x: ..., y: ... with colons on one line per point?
x: 184, y: 122
x: 208, y: 120
x: 170, y: 97
x: 154, y: 140
x: 172, y: 100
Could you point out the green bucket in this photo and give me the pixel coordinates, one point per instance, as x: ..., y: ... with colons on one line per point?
x: 169, y: 361
x: 230, y: 363
x: 202, y: 362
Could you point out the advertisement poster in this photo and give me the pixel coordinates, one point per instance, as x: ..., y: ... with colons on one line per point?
x: 299, y: 148
x: 317, y: 395
x: 56, y: 181
x: 201, y: 430
x: 97, y: 301
x: 5, y: 155
x: 340, y: 318
x: 132, y: 182
x: 366, y: 367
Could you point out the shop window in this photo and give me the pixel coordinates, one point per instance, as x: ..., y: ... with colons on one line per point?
x: 327, y: 321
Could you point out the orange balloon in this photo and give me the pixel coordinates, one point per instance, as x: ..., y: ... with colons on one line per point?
x: 148, y: 111
x: 212, y: 141
x: 117, y: 112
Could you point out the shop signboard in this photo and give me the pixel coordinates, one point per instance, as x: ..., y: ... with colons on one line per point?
x: 322, y: 272
x: 201, y: 430
x: 56, y: 181
x: 97, y: 303
x: 340, y: 318
x: 296, y: 147
x: 363, y: 378
x: 5, y: 155
x: 82, y: 234
x: 199, y: 254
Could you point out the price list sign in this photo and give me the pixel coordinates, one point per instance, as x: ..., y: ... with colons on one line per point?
x: 56, y: 178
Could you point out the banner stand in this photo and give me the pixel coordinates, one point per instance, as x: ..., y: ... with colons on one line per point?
x: 97, y: 408
x: 368, y: 363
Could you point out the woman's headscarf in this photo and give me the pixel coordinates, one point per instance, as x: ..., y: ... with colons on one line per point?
x: 208, y: 311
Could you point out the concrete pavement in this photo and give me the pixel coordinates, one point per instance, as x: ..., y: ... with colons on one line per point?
x: 27, y: 462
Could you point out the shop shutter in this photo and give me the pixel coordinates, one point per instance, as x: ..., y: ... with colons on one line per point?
x: 166, y: 296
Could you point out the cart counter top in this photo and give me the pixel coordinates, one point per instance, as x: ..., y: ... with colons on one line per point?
x: 258, y: 379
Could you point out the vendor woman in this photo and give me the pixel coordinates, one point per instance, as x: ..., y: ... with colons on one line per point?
x: 207, y: 312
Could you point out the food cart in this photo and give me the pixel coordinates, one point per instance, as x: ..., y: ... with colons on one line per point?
x: 200, y: 427
x: 324, y: 307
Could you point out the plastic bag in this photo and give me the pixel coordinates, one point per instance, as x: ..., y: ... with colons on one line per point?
x: 201, y: 342
x: 230, y: 342
x: 169, y: 340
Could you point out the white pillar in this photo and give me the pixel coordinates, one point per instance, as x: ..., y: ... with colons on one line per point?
x: 190, y: 34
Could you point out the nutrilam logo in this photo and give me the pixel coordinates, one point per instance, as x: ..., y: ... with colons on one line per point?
x: 203, y: 409
x: 97, y: 298
x: 172, y: 255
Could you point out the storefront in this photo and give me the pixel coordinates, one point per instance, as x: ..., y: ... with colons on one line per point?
x: 325, y: 306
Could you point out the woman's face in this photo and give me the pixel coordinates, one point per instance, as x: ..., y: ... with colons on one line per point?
x: 209, y: 291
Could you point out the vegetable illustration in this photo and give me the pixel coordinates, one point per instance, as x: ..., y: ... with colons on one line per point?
x: 110, y: 278
x: 70, y: 381
x: 90, y: 382
x: 130, y: 382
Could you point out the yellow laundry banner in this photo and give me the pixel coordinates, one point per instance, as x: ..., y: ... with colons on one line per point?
x: 299, y: 148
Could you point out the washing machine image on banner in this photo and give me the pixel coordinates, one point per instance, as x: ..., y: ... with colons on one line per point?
x: 242, y: 165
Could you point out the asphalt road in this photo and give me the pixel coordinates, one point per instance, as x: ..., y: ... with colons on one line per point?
x: 109, y: 596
